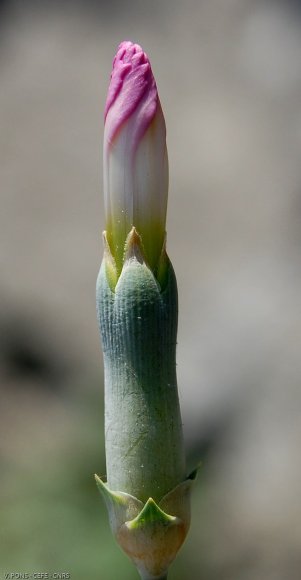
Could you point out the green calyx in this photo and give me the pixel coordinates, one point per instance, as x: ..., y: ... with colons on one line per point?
x: 147, y: 495
x: 138, y: 324
x: 149, y: 534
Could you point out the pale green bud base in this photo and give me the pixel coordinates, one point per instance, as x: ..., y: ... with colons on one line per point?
x: 150, y: 534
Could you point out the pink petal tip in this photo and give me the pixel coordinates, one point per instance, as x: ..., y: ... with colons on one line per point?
x: 132, y: 90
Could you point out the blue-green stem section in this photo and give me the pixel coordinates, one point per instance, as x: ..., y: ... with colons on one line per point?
x: 143, y: 431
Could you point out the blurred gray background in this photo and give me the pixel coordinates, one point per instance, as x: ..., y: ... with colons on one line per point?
x: 229, y: 79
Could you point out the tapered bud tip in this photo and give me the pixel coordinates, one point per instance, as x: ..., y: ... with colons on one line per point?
x: 135, y: 159
x: 132, y: 88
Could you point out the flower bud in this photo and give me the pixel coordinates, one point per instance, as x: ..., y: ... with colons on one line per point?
x: 135, y: 157
x: 146, y: 491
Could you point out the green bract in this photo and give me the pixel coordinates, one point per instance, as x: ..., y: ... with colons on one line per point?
x: 148, y: 534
